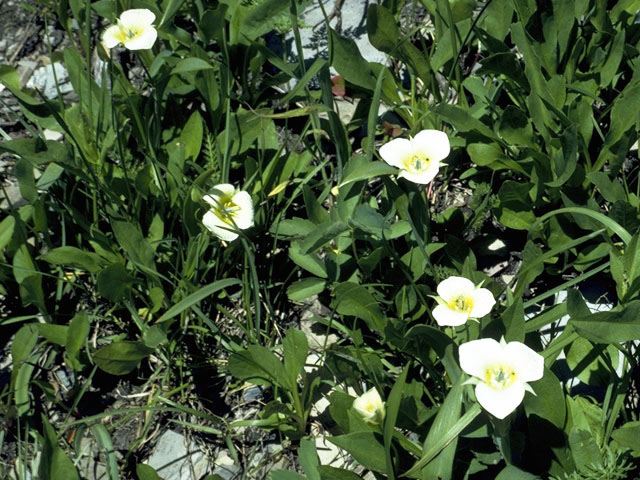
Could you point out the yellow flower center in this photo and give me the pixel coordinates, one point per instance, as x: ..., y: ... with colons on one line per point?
x: 226, y: 210
x: 461, y: 303
x: 416, y: 163
x: 499, y: 377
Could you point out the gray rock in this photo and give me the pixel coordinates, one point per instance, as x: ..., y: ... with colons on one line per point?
x: 352, y: 16
x: 26, y: 69
x: 43, y: 79
x: 174, y: 459
x: 252, y: 394
x: 225, y: 466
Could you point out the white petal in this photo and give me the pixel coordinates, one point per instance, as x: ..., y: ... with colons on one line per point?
x: 476, y: 355
x: 446, y: 317
x: 422, y: 178
x: 137, y: 17
x: 527, y: 364
x: 453, y: 287
x: 433, y: 144
x: 217, y: 192
x: 483, y: 302
x: 500, y: 403
x: 219, y: 228
x: 244, y: 217
x: 143, y: 41
x: 395, y: 151
x: 111, y: 36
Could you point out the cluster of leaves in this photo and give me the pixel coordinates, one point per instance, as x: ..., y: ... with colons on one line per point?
x: 107, y: 265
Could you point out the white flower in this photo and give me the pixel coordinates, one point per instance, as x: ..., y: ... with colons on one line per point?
x: 134, y: 30
x: 370, y: 407
x: 230, y: 211
x: 501, y: 371
x: 459, y: 300
x: 419, y: 157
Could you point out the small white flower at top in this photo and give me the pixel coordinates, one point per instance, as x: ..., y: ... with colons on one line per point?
x: 370, y: 407
x: 419, y: 157
x: 134, y: 30
x: 230, y: 211
x: 501, y: 372
x: 459, y: 300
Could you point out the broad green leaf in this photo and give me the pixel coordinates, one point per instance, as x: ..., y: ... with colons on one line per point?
x: 365, y: 447
x: 293, y: 227
x: 345, y: 57
x: 334, y: 473
x: 514, y: 210
x: 590, y: 363
x: 392, y: 408
x: 323, y: 234
x: 191, y: 136
x: 191, y: 64
x: 22, y: 387
x: 548, y: 402
x: 308, y: 458
x: 7, y: 226
x: 53, y: 461
x: 611, y: 190
x: 54, y: 333
x: 513, y: 319
x: 355, y: 300
x: 497, y: 17
x: 23, y: 171
x: 511, y: 472
x: 611, y: 327
x: 130, y: 238
x: 146, y: 472
x: 76, y: 337
x: 285, y: 475
x: 367, y: 172
x: 584, y: 449
x: 627, y: 436
x: 448, y: 415
x: 197, y: 296
x: 114, y: 281
x: 305, y: 288
x: 75, y: 257
x: 121, y: 357
x: 462, y: 120
x: 259, y: 365
x: 310, y: 262
x: 515, y: 126
x: 295, y: 349
x: 369, y: 220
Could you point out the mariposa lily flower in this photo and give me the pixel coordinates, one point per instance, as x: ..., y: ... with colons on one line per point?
x: 230, y: 211
x: 370, y: 407
x: 419, y: 157
x: 501, y: 371
x: 459, y: 300
x: 134, y: 30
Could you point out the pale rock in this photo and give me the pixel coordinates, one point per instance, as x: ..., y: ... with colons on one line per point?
x: 174, y: 459
x: 43, y: 79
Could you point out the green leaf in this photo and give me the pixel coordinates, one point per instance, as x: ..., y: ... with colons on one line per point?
x: 310, y: 262
x: 114, y: 281
x: 367, y: 172
x: 345, y: 57
x: 130, y: 238
x: 611, y: 190
x: 513, y: 319
x: 191, y: 136
x: 120, y: 358
x: 53, y: 461
x: 515, y: 126
x: 514, y: 210
x: 392, y: 407
x: 548, y: 402
x: 584, y: 449
x: 627, y: 436
x: 448, y: 415
x: 611, y: 327
x: 76, y: 337
x: 305, y: 288
x: 369, y: 220
x: 197, y: 296
x: 191, y: 64
x: 296, y: 348
x: 285, y: 475
x: 54, y: 333
x: 308, y: 458
x: 146, y: 472
x: 511, y: 472
x: 355, y: 300
x: 323, y: 234
x: 23, y: 171
x: 462, y: 120
x: 106, y: 446
x: 75, y: 257
x: 259, y: 365
x: 333, y: 473
x: 364, y: 447
x: 7, y: 226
